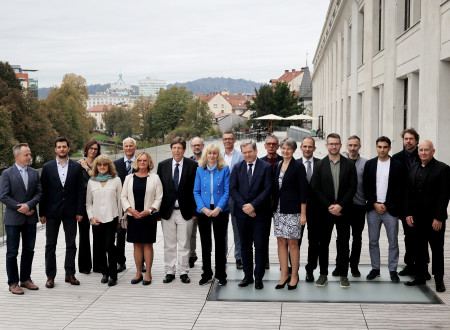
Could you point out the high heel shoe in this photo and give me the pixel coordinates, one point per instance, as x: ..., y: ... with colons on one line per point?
x: 293, y: 287
x: 281, y: 286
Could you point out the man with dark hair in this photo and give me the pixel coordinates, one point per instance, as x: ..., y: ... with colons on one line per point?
x: 177, y: 176
x: 63, y: 201
x: 334, y: 182
x: 383, y: 183
x: 427, y: 197
x: 20, y: 191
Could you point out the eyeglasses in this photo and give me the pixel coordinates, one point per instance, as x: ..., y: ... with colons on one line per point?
x: 228, y: 139
x: 272, y: 144
x: 93, y: 149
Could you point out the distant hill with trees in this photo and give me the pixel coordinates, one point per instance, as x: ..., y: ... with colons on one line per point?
x: 211, y: 85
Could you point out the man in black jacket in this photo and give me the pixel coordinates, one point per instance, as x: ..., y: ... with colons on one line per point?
x: 177, y: 176
x: 334, y: 183
x: 427, y: 197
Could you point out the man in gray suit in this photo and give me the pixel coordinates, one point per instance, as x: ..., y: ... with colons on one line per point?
x: 232, y: 157
x: 20, y: 191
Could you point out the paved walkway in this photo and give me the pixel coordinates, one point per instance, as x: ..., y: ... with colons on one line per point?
x: 93, y: 305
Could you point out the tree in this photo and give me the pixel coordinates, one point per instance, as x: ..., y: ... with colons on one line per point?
x: 263, y: 103
x: 118, y: 122
x: 197, y: 120
x: 6, y: 138
x: 139, y: 116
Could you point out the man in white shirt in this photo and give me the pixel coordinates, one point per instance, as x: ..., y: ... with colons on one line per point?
x: 382, y: 183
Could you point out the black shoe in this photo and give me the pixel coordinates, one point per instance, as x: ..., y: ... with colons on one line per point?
x: 440, y: 286
x: 335, y: 272
x: 147, y: 282
x: 222, y: 281
x: 87, y: 272
x: 136, y: 281
x: 246, y: 281
x: 427, y: 276
x: 121, y: 267
x: 239, y: 264
x: 267, y: 266
x: 205, y: 280
x: 293, y: 287
x: 169, y: 278
x: 309, y: 277
x: 407, y: 270
x: 355, y: 272
x: 281, y: 286
x: 259, y: 284
x: 374, y: 273
x: 394, y: 277
x: 416, y: 281
x: 143, y: 269
x: 104, y: 279
x: 112, y: 282
x: 192, y: 260
x: 185, y: 278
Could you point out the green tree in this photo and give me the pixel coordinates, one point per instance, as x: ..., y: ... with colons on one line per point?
x: 197, y: 120
x: 118, y: 122
x: 139, y: 114
x: 6, y: 138
x: 263, y: 103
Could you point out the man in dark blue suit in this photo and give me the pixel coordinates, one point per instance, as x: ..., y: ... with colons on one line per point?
x: 63, y: 200
x: 250, y: 187
x: 20, y: 191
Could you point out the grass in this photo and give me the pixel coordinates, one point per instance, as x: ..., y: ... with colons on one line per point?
x: 100, y: 137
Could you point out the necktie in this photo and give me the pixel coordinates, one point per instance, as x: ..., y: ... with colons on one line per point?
x: 24, y: 178
x: 176, y: 176
x: 308, y: 171
x: 249, y: 174
x: 129, y: 168
x: 409, y: 159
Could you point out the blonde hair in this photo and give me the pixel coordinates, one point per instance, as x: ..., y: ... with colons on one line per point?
x: 215, y: 149
x: 150, y: 161
x: 104, y: 160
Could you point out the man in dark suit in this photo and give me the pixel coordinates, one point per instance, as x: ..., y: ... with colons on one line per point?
x: 383, y: 187
x: 177, y: 176
x: 250, y: 186
x: 124, y: 166
x: 308, y: 160
x: 63, y: 201
x: 334, y: 183
x: 427, y: 197
x: 20, y: 191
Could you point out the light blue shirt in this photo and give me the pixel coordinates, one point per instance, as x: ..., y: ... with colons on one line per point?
x: 24, y: 174
x: 62, y: 170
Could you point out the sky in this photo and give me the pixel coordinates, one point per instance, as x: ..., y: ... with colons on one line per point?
x: 173, y: 40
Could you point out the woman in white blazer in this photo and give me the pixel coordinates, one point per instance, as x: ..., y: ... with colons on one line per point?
x: 142, y: 194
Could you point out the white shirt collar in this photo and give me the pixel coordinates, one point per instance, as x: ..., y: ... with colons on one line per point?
x: 20, y: 168
x: 125, y: 159
x: 180, y: 162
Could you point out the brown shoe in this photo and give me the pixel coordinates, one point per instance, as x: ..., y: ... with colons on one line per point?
x: 15, y: 289
x: 72, y: 280
x: 50, y: 283
x: 29, y: 285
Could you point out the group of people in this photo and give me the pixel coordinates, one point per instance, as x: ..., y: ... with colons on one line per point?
x: 124, y: 199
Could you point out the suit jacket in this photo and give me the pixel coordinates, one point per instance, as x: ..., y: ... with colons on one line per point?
x: 294, y: 189
x: 184, y: 194
x: 435, y: 192
x: 12, y: 192
x: 257, y: 193
x: 402, y: 157
x: 237, y: 158
x: 394, y: 194
x: 221, y: 188
x: 121, y: 168
x: 58, y: 201
x: 323, y: 188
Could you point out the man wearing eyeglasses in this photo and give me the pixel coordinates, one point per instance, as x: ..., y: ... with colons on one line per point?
x: 334, y: 183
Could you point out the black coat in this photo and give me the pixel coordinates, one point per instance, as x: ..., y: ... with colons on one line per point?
x: 121, y: 168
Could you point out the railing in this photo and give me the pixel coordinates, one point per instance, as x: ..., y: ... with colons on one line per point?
x: 297, y: 133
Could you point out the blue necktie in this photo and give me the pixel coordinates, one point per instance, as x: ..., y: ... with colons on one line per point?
x: 249, y: 174
x: 129, y: 168
x: 176, y: 176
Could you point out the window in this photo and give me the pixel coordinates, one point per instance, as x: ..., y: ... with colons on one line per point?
x: 361, y: 37
x: 405, y: 103
x: 215, y: 106
x: 380, y: 25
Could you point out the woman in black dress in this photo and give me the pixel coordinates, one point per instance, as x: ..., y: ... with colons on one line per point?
x: 141, y: 197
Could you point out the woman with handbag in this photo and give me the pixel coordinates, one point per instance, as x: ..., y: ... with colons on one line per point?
x: 103, y: 208
x: 141, y: 198
x: 211, y: 192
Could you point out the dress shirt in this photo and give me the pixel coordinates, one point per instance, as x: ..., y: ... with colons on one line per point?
x: 104, y: 203
x: 24, y: 176
x: 311, y: 160
x: 125, y: 159
x: 382, y: 180
x: 180, y: 169
x: 62, y: 170
x: 228, y: 158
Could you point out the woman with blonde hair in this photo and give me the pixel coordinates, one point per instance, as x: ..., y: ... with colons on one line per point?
x: 103, y: 209
x: 211, y: 192
x: 141, y: 198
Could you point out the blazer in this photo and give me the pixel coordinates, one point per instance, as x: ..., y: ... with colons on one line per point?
x: 237, y: 158
x: 402, y: 157
x: 153, y: 193
x: 294, y: 189
x: 185, y: 188
x: 12, y: 192
x: 121, y: 168
x: 221, y: 188
x: 257, y: 193
x: 322, y: 183
x: 58, y: 201
x: 435, y: 192
x: 394, y: 194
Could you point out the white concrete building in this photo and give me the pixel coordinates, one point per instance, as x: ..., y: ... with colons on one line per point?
x: 382, y: 66
x: 102, y: 98
x: 151, y: 86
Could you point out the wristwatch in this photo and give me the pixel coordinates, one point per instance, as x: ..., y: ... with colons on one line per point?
x: 151, y: 211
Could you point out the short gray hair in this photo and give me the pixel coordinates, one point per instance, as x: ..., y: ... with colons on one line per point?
x: 247, y: 142
x: 197, y: 137
x: 129, y: 139
x: 290, y: 142
x: 17, y: 147
x: 271, y: 137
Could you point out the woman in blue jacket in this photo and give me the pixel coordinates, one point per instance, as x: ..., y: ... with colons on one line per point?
x: 211, y: 192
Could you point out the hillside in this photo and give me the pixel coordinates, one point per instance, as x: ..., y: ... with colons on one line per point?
x: 211, y: 85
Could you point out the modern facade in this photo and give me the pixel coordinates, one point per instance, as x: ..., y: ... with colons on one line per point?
x: 151, y: 86
x: 25, y: 80
x: 102, y: 98
x: 382, y: 66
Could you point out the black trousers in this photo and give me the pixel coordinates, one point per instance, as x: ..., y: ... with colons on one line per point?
x: 327, y: 222
x: 219, y: 225
x: 253, y: 232
x: 84, y: 245
x: 121, y: 240
x: 314, y: 230
x: 51, y: 233
x: 357, y: 218
x: 409, y: 240
x: 107, y: 249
